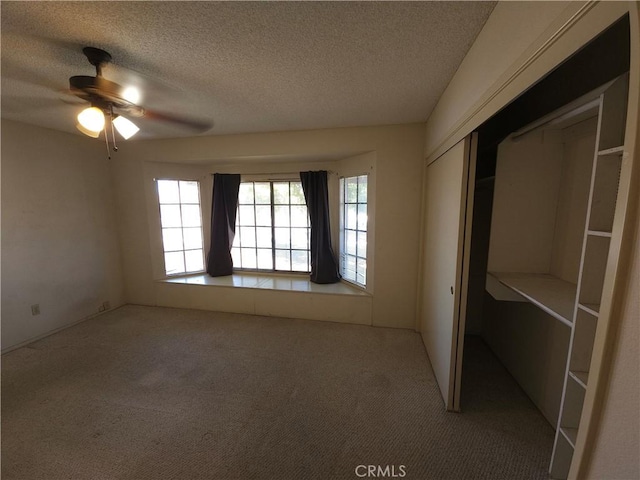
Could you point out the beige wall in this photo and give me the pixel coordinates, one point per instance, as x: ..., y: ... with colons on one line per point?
x: 519, y: 44
x: 59, y: 234
x: 397, y: 153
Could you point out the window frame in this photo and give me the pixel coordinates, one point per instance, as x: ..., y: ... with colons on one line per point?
x: 343, y: 205
x: 182, y: 227
x: 272, y: 204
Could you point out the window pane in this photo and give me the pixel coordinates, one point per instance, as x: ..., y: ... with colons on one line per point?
x: 245, y: 196
x: 264, y: 237
x: 172, y: 239
x: 246, y: 215
x: 282, y: 238
x: 350, y: 262
x: 247, y: 237
x: 281, y: 193
x: 283, y: 262
x: 174, y: 262
x: 362, y: 189
x: 362, y: 217
x: 361, y: 276
x: 299, y: 217
x: 349, y: 266
x: 263, y: 215
x: 350, y: 242
x: 168, y: 191
x: 297, y: 195
x: 271, y: 208
x: 281, y: 216
x: 248, y: 257
x: 190, y: 215
x: 265, y: 258
x: 351, y: 193
x: 351, y: 220
x: 362, y: 244
x: 181, y: 222
x: 170, y: 216
x: 263, y: 193
x: 299, y: 261
x: 299, y: 238
x: 361, y: 266
x: 353, y: 226
x: 194, y: 260
x: 235, y: 257
x: 189, y: 192
x: 192, y: 238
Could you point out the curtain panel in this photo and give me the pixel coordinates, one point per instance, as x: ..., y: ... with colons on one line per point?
x: 324, y: 267
x: 223, y: 223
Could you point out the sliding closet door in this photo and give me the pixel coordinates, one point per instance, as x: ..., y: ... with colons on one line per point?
x: 449, y: 196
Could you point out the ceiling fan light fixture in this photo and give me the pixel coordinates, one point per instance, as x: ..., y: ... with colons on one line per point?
x: 131, y: 94
x: 91, y: 120
x: 125, y: 127
x: 87, y: 132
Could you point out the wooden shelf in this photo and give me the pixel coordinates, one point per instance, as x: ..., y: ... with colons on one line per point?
x: 611, y: 151
x: 581, y: 378
x: 599, y: 233
x: 551, y: 294
x: 571, y: 434
x: 592, y: 308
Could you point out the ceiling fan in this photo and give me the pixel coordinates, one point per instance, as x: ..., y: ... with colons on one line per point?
x: 109, y: 102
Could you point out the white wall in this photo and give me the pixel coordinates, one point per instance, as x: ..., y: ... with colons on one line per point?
x: 398, y: 169
x: 59, y: 235
x: 518, y: 45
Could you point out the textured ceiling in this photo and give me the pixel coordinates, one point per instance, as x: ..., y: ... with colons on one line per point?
x: 246, y: 66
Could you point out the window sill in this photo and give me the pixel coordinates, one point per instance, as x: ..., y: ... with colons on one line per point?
x: 283, y: 282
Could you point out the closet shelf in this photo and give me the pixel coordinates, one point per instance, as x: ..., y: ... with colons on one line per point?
x: 611, y: 151
x: 571, y: 434
x: 551, y: 294
x: 592, y: 308
x: 599, y: 233
x: 581, y: 378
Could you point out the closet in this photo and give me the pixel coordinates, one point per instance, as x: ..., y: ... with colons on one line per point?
x: 539, y: 229
x: 554, y: 208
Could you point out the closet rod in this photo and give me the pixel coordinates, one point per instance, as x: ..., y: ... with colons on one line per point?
x: 558, y: 117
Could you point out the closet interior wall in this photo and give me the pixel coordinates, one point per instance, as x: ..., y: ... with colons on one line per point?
x: 539, y: 211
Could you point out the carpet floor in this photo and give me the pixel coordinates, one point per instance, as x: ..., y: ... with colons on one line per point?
x: 158, y: 393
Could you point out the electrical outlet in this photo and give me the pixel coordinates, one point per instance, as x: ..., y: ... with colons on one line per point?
x: 35, y: 309
x: 106, y: 305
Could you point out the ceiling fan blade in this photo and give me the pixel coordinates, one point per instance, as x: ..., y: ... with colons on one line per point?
x: 196, y: 125
x: 67, y: 96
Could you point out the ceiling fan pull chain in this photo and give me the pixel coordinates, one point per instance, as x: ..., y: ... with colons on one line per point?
x: 113, y: 133
x: 106, y: 139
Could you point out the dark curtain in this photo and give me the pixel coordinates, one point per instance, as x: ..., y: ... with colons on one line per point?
x: 223, y: 223
x: 324, y: 267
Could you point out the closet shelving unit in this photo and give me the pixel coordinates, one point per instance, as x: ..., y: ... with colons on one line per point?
x: 566, y: 280
x: 596, y: 258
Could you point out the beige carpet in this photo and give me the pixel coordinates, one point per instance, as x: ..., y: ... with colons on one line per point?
x: 156, y: 393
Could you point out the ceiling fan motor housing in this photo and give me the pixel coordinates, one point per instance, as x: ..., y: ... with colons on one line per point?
x: 100, y: 91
